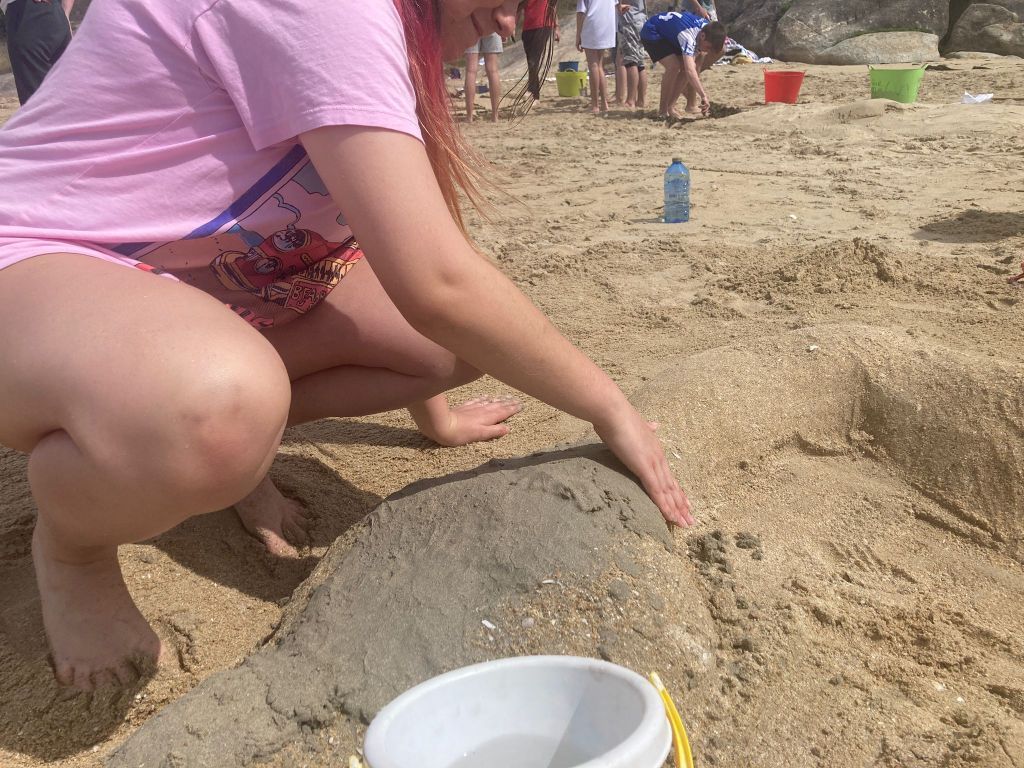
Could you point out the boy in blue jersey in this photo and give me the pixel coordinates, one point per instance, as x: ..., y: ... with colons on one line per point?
x: 685, y: 45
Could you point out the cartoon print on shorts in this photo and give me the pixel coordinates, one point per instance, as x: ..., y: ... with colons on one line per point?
x: 273, y: 254
x: 293, y: 267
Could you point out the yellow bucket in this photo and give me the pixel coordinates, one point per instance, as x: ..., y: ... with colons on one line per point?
x: 570, y: 83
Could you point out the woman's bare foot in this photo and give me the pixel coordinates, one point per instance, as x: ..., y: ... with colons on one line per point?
x: 97, y: 635
x: 475, y: 420
x: 277, y: 521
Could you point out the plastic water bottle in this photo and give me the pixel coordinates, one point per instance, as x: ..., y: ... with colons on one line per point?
x: 677, y: 192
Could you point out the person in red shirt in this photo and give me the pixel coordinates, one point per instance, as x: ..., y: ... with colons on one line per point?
x: 540, y: 21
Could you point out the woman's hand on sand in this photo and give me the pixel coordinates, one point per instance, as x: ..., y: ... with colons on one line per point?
x: 476, y: 420
x: 633, y: 440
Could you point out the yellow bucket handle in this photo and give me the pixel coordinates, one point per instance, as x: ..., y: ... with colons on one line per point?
x: 684, y: 757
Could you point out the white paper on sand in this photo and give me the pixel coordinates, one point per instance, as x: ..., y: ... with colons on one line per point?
x: 975, y: 98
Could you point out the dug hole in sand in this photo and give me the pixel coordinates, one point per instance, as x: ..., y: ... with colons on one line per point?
x: 850, y: 598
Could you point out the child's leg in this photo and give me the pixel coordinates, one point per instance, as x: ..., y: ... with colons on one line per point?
x: 632, y: 80
x: 673, y: 72
x: 691, y: 97
x: 493, y: 83
x: 602, y: 81
x: 472, y: 61
x: 621, y: 82
x: 641, y: 91
x: 595, y: 69
x: 142, y: 402
x: 682, y: 85
x: 534, y: 42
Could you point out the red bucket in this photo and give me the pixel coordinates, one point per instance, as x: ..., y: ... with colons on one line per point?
x: 782, y: 86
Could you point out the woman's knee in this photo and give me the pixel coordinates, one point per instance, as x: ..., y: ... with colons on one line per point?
x: 232, y: 421
x: 209, y: 439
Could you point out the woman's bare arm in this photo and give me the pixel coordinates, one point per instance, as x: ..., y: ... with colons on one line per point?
x: 384, y: 183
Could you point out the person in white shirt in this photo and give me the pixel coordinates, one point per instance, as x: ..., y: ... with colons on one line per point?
x: 595, y: 34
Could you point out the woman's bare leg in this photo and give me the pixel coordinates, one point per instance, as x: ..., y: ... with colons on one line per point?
x: 142, y: 402
x: 355, y: 355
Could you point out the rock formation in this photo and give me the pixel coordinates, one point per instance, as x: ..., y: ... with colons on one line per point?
x: 868, y: 32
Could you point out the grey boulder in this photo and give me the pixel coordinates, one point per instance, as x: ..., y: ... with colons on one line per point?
x: 883, y: 48
x: 810, y: 28
x: 988, y: 27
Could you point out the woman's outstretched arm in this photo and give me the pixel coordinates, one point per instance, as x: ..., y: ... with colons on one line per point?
x: 384, y: 183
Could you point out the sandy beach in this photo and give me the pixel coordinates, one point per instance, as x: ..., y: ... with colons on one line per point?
x: 856, y: 608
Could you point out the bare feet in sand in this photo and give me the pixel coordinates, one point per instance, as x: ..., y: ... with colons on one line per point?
x: 97, y: 635
x: 475, y: 420
x: 279, y: 522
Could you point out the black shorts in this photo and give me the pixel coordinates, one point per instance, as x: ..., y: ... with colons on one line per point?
x: 660, y: 49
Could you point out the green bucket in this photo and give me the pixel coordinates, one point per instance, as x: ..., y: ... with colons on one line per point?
x: 899, y: 84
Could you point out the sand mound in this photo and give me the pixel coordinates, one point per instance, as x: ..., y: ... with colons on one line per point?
x: 949, y: 424
x: 408, y: 599
x: 839, y: 267
x: 896, y: 470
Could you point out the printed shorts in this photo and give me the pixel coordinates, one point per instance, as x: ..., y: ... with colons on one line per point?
x: 286, y: 298
x: 630, y: 46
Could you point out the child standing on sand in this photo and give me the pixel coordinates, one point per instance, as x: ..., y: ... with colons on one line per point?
x: 632, y: 17
x: 180, y: 279
x: 490, y: 48
x: 595, y: 34
x: 540, y: 24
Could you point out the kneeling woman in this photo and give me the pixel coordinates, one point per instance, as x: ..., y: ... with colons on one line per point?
x: 252, y: 225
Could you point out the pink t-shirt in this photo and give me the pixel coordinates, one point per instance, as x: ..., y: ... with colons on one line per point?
x: 167, y: 134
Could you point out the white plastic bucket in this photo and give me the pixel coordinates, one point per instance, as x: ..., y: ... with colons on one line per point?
x: 525, y: 712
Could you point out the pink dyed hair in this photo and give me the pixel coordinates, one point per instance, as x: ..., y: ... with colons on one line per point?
x: 447, y: 150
